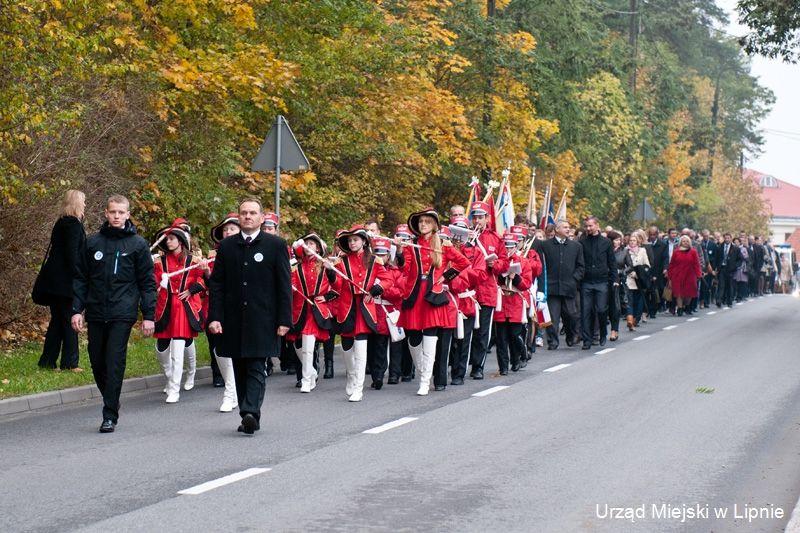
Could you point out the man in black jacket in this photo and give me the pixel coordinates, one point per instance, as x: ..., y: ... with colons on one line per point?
x: 251, y: 306
x: 563, y: 270
x: 114, y: 279
x: 600, y: 271
x: 659, y: 248
x: 728, y: 259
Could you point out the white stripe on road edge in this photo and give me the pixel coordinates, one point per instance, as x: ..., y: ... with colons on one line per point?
x: 668, y: 328
x: 692, y: 319
x: 607, y: 350
x: 641, y: 337
x: 794, y: 521
x: 211, y: 485
x: 711, y: 313
x: 390, y: 425
x: 557, y: 368
x: 487, y: 392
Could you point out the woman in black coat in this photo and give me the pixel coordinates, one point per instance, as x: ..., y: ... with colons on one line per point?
x: 54, y: 285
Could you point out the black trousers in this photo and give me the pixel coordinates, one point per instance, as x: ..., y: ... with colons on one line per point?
x: 480, y: 338
x: 108, y: 350
x: 60, y: 337
x: 250, y: 374
x: 440, y: 363
x: 725, y: 291
x: 594, y: 300
x: 557, y: 305
x: 378, y: 355
x: 509, y: 343
x: 213, y: 340
x: 400, y: 361
x: 460, y: 350
x: 328, y: 347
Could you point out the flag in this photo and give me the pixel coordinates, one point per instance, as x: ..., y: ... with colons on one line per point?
x: 531, y: 211
x: 474, y: 195
x: 547, y: 207
x: 489, y: 198
x: 561, y: 212
x: 505, y: 207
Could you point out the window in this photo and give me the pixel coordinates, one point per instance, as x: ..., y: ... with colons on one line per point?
x: 768, y: 182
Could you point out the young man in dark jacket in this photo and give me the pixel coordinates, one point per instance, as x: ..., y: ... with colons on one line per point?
x: 114, y: 279
x: 600, y: 271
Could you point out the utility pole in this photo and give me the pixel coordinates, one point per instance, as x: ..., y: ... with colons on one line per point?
x: 633, y: 41
x: 712, y: 150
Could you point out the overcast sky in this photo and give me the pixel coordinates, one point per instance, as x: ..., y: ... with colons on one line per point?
x: 781, y: 128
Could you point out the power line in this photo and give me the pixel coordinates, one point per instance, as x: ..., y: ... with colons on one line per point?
x: 612, y: 10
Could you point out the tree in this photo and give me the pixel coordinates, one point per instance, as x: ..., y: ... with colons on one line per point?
x: 775, y: 26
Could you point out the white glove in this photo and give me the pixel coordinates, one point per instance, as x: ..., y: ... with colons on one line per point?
x: 540, y: 297
x: 299, y: 243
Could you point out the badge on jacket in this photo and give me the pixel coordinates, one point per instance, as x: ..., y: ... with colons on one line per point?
x: 98, y: 255
x: 258, y: 257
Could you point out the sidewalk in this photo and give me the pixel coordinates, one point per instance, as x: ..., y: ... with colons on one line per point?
x: 21, y: 404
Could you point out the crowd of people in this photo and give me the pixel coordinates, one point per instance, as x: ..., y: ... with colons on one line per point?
x: 427, y: 302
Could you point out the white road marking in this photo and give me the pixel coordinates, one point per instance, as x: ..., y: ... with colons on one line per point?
x: 641, y: 337
x: 739, y: 303
x: 692, y: 319
x: 670, y: 327
x: 711, y: 313
x: 607, y: 350
x: 557, y: 367
x: 227, y: 480
x: 390, y: 425
x: 487, y: 392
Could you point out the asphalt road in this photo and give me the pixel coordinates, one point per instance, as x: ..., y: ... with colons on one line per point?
x: 560, y: 450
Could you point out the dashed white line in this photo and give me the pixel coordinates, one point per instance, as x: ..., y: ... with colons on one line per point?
x: 739, y: 303
x: 641, y: 337
x: 669, y: 327
x: 390, y: 425
x: 492, y: 390
x: 607, y: 350
x: 711, y: 313
x: 692, y: 319
x: 557, y: 367
x: 227, y: 480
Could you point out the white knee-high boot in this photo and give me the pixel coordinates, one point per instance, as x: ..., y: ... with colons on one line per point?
x: 190, y: 353
x: 229, y: 400
x: 427, y: 357
x: 166, y: 364
x: 309, y: 380
x: 349, y: 370
x: 416, y: 355
x: 359, y: 370
x: 176, y: 347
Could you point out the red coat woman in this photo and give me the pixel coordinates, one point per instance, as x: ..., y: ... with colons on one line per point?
x: 360, y: 279
x: 426, y: 303
x: 311, y: 317
x: 179, y: 315
x: 511, y: 316
x: 684, y: 271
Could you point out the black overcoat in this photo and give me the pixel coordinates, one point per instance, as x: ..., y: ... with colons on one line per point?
x: 563, y: 265
x: 67, y: 241
x: 251, y: 295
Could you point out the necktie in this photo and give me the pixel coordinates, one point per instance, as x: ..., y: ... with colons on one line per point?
x: 248, y: 240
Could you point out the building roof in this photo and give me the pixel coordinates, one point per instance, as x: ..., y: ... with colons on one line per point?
x: 783, y: 197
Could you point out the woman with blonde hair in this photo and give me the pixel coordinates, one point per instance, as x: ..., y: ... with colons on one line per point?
x: 683, y: 273
x: 637, y: 265
x: 53, y: 286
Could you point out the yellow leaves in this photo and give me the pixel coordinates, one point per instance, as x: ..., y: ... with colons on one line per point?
x: 243, y: 16
x: 521, y: 41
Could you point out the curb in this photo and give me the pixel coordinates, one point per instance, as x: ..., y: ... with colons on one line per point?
x: 21, y: 404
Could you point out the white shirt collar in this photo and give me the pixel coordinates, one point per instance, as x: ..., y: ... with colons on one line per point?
x: 251, y: 235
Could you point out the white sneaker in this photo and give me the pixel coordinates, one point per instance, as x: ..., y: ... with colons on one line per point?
x: 228, y: 405
x: 423, y: 390
x: 356, y: 396
x: 189, y: 385
x: 305, y: 387
x: 173, y: 397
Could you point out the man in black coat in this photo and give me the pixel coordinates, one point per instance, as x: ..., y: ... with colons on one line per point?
x: 251, y: 306
x: 563, y: 270
x: 114, y: 279
x: 659, y: 248
x: 728, y: 259
x: 600, y: 271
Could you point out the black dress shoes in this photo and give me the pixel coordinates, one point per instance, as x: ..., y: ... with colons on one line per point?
x: 602, y: 341
x: 514, y: 368
x: 523, y: 362
x: 504, y: 372
x: 249, y: 424
x: 328, y: 370
x: 477, y: 374
x: 377, y: 384
x: 393, y: 380
x: 439, y: 388
x: 406, y: 379
x: 457, y: 381
x: 218, y: 382
x: 107, y: 426
x: 586, y: 346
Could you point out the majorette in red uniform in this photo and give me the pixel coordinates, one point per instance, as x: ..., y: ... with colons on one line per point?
x: 227, y: 228
x: 401, y: 366
x: 534, y: 309
x: 511, y: 317
x: 491, y: 246
x: 425, y: 300
x: 311, y: 317
x: 356, y: 313
x: 179, y: 315
x: 464, y: 288
x: 387, y: 306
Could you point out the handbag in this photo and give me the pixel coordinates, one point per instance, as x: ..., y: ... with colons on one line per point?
x: 38, y: 293
x: 668, y: 292
x: 642, y: 277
